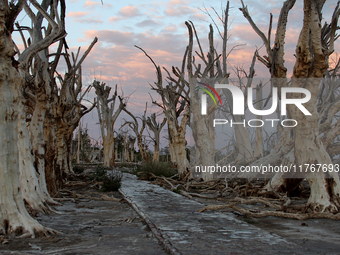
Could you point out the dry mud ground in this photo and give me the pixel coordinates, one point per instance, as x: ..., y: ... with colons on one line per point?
x: 92, y: 226
x: 321, y: 235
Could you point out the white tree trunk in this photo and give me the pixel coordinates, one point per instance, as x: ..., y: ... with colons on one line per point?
x: 132, y: 155
x: 63, y: 157
x: 281, y: 181
x: 107, y: 118
x: 173, y: 159
x: 53, y: 174
x: 243, y: 142
x: 108, y: 144
x: 155, y: 157
x: 126, y: 149
x: 203, y: 131
x: 116, y: 152
x: 132, y: 148
x: 178, y: 141
x: 156, y: 128
x: 14, y: 219
x: 258, y: 148
x: 141, y: 147
x: 38, y: 146
x: 283, y: 147
x: 308, y: 149
x: 180, y: 154
x: 33, y: 189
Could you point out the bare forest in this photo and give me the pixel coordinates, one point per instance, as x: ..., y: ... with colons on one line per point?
x: 225, y: 153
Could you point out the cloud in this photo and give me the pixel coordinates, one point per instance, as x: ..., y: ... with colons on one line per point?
x: 171, y: 28
x: 106, y: 5
x: 179, y: 11
x: 77, y: 14
x: 114, y: 19
x: 90, y: 21
x: 78, y: 17
x: 126, y: 12
x: 154, y: 9
x: 198, y: 16
x: 147, y: 23
x: 90, y: 4
x: 176, y: 8
x: 164, y: 41
x: 129, y: 11
x: 176, y: 2
x: 126, y: 65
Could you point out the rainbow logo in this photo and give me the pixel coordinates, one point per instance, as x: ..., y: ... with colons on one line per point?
x: 213, y: 90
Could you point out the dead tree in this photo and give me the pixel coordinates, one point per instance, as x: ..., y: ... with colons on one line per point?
x: 62, y: 118
x: 220, y: 74
x: 274, y: 61
x: 212, y: 70
x: 132, y: 141
x: 129, y: 143
x: 243, y: 144
x: 37, y: 91
x: 16, y: 161
x: 302, y: 144
x: 40, y: 91
x: 201, y: 125
x: 107, y: 118
x: 126, y: 148
x: 258, y: 143
x: 156, y: 128
x: 116, y: 151
x: 138, y: 132
x: 175, y: 103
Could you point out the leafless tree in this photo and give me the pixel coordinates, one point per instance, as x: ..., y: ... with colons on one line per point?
x: 134, y: 125
x: 302, y: 144
x: 107, y: 118
x: 62, y: 118
x: 131, y: 150
x: 156, y: 128
x: 174, y: 103
x: 37, y: 91
x: 16, y: 163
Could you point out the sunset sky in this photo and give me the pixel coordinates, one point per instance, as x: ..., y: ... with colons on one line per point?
x: 158, y: 27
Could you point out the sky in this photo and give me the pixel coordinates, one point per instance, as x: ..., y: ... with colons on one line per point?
x: 158, y: 27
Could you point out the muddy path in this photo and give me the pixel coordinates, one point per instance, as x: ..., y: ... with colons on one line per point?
x: 90, y: 226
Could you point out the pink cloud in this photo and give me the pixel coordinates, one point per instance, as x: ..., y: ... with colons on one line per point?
x: 114, y: 19
x: 179, y: 8
x: 198, y: 16
x: 164, y: 41
x: 171, y: 28
x: 90, y: 21
x: 179, y: 11
x: 77, y: 14
x: 129, y: 11
x: 89, y: 3
x: 176, y: 2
